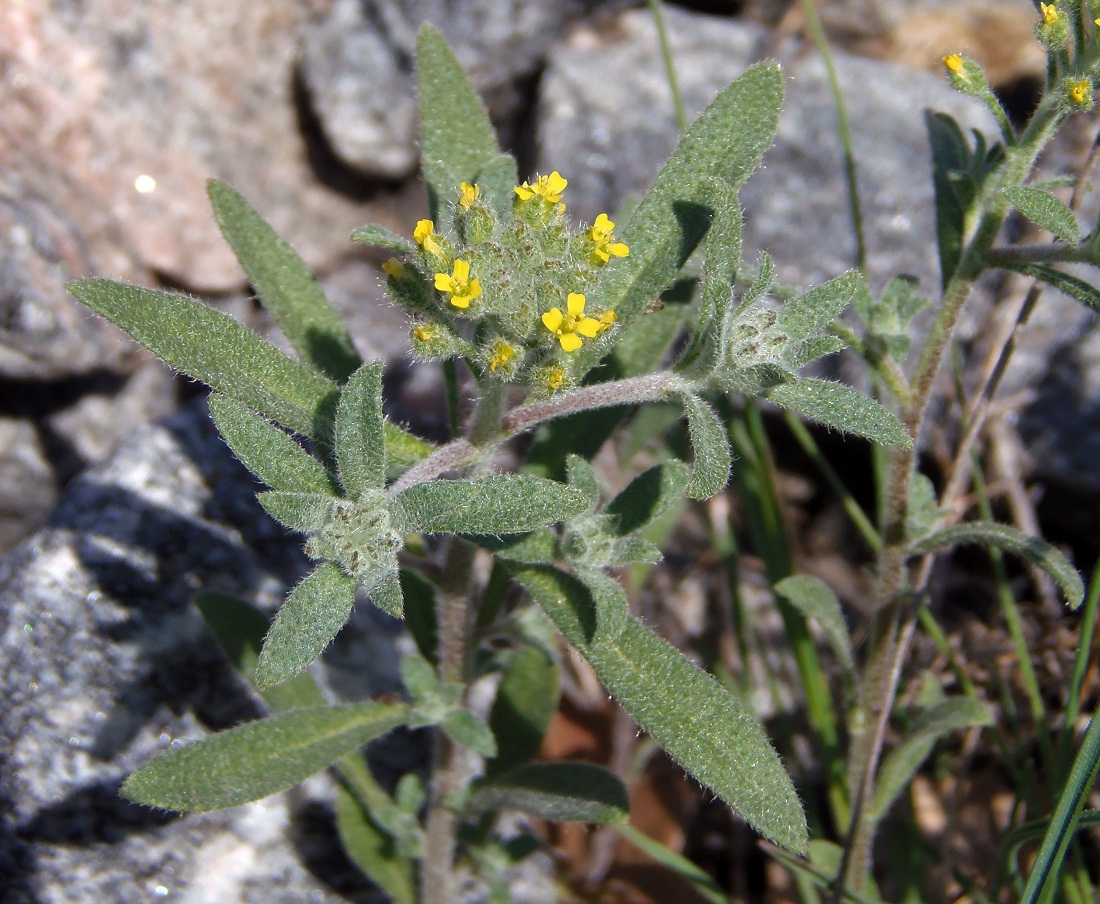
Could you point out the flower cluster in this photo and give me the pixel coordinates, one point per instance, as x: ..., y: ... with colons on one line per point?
x: 504, y: 283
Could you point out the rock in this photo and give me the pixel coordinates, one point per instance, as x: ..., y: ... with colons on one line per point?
x: 28, y: 489
x: 106, y: 664
x: 359, y: 67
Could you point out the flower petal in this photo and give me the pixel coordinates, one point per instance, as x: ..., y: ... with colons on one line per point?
x: 589, y: 327
x: 443, y: 282
x: 474, y: 289
x: 461, y: 271
x: 460, y: 301
x: 552, y: 319
x: 575, y: 304
x: 570, y: 341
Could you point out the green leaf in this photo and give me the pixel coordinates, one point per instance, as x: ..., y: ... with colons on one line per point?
x: 286, y: 286
x: 464, y: 728
x: 726, y: 142
x: 842, y: 407
x: 648, y: 496
x: 1032, y: 550
x: 308, y: 621
x: 418, y: 596
x: 562, y: 792
x: 239, y: 628
x: 701, y: 882
x: 456, y: 137
x: 813, y: 598
x: 612, y: 606
x: 1075, y: 288
x: 506, y: 504
x: 214, y: 348
x: 404, y: 449
x: 699, y: 724
x: 536, y: 547
x: 373, y: 850
x: 950, y: 156
x: 1046, y: 211
x: 261, y: 758
x: 711, y: 469
x: 302, y: 512
x: 579, y: 474
x: 384, y: 589
x: 267, y: 451
x: 903, y: 762
x: 380, y: 237
x: 806, y: 314
x: 497, y: 181
x: 526, y: 700
x: 360, y: 446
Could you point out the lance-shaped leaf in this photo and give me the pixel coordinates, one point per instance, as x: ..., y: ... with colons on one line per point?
x: 464, y: 728
x: 360, y: 448
x: 579, y: 474
x: 526, y: 700
x: 214, y: 348
x: 267, y: 451
x: 308, y: 621
x: 648, y: 496
x: 373, y: 850
x: 456, y: 137
x: 419, y: 604
x: 813, y: 598
x: 1075, y: 288
x: 812, y: 311
x: 496, y: 182
x: 950, y: 157
x: 843, y: 408
x: 536, y: 547
x: 711, y: 469
x: 286, y: 286
x: 506, y: 504
x: 261, y: 758
x: 699, y: 724
x: 725, y: 143
x: 1032, y: 550
x: 1045, y: 210
x: 904, y: 761
x: 562, y: 792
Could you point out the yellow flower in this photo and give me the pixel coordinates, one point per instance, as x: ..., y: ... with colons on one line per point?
x: 603, y: 240
x: 606, y: 319
x: 555, y: 378
x: 1079, y: 91
x: 548, y: 188
x: 502, y: 354
x: 468, y: 196
x: 393, y: 267
x: 1049, y: 12
x: 425, y: 236
x: 567, y: 326
x: 954, y: 64
x: 458, y: 285
x: 424, y: 333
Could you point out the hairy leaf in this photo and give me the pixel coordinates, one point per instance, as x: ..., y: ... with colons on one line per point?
x: 806, y: 314
x: 456, y: 137
x: 286, y: 286
x: 360, y: 448
x: 373, y: 850
x: 1046, y: 211
x: 687, y: 712
x: 842, y: 407
x: 308, y: 621
x: 267, y: 451
x: 506, y: 504
x: 261, y: 758
x: 1075, y: 288
x: 214, y: 348
x: 562, y: 792
x: 648, y: 496
x: 526, y: 700
x: 380, y: 237
x: 1032, y: 550
x: 711, y: 469
x: 903, y: 762
x: 812, y: 597
x: 464, y: 728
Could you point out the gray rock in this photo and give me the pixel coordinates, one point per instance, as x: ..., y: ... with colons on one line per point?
x: 28, y: 489
x: 359, y: 67
x: 106, y: 664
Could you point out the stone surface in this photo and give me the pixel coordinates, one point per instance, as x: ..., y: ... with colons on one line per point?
x: 359, y: 67
x: 106, y: 664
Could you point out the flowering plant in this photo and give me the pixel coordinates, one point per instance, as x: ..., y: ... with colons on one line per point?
x: 555, y: 327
